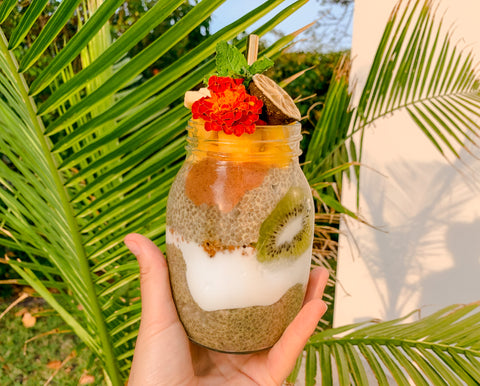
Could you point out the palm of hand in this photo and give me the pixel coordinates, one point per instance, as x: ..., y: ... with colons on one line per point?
x: 213, y: 368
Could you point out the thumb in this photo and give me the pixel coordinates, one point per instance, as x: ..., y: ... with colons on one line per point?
x: 157, y: 303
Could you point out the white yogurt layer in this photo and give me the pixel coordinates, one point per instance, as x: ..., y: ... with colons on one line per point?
x: 236, y: 279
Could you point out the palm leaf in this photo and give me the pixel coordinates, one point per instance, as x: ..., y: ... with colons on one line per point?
x: 327, y: 157
x: 417, y: 68
x: 93, y: 163
x: 327, y: 149
x: 439, y: 349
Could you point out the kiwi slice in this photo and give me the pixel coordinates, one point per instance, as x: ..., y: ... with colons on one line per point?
x: 278, y: 107
x: 287, y: 232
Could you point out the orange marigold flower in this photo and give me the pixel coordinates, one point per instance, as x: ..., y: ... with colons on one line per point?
x: 229, y: 108
x: 222, y: 83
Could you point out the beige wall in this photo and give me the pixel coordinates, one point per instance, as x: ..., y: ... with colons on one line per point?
x: 428, y: 252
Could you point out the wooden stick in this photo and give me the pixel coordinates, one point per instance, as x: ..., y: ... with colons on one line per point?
x: 252, y: 49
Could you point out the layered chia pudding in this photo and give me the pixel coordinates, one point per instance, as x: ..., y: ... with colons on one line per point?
x: 240, y: 221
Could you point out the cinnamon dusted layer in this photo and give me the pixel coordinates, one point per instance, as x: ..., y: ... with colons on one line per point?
x: 222, y: 184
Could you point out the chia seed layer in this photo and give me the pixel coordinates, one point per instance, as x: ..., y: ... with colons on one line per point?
x: 231, y: 330
x: 238, y: 227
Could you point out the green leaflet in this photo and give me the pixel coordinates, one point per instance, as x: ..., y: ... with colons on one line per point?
x: 26, y: 23
x: 5, y: 9
x: 231, y: 62
x: 260, y: 66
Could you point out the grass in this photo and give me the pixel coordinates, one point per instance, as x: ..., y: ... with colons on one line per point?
x: 30, y: 356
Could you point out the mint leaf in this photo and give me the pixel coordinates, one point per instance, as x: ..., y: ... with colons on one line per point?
x: 260, y: 66
x: 230, y: 61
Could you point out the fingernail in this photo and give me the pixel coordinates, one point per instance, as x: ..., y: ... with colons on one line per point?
x: 325, y: 307
x: 133, y: 246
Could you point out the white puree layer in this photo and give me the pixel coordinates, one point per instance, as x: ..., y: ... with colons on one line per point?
x: 236, y: 279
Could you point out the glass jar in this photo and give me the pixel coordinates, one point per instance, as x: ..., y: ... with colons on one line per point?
x: 240, y: 219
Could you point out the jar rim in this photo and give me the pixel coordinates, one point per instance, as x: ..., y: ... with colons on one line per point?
x: 296, y: 124
x: 267, y: 142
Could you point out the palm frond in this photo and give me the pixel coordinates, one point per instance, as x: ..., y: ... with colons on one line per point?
x: 73, y: 187
x: 327, y: 158
x: 327, y: 149
x: 417, y: 68
x: 96, y: 160
x: 439, y: 349
x: 94, y: 24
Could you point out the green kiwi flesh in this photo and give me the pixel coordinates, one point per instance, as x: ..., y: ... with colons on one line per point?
x: 292, y: 213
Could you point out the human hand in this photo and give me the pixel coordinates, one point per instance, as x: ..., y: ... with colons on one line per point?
x: 165, y: 356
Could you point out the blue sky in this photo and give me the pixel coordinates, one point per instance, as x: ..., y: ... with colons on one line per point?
x: 312, y: 11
